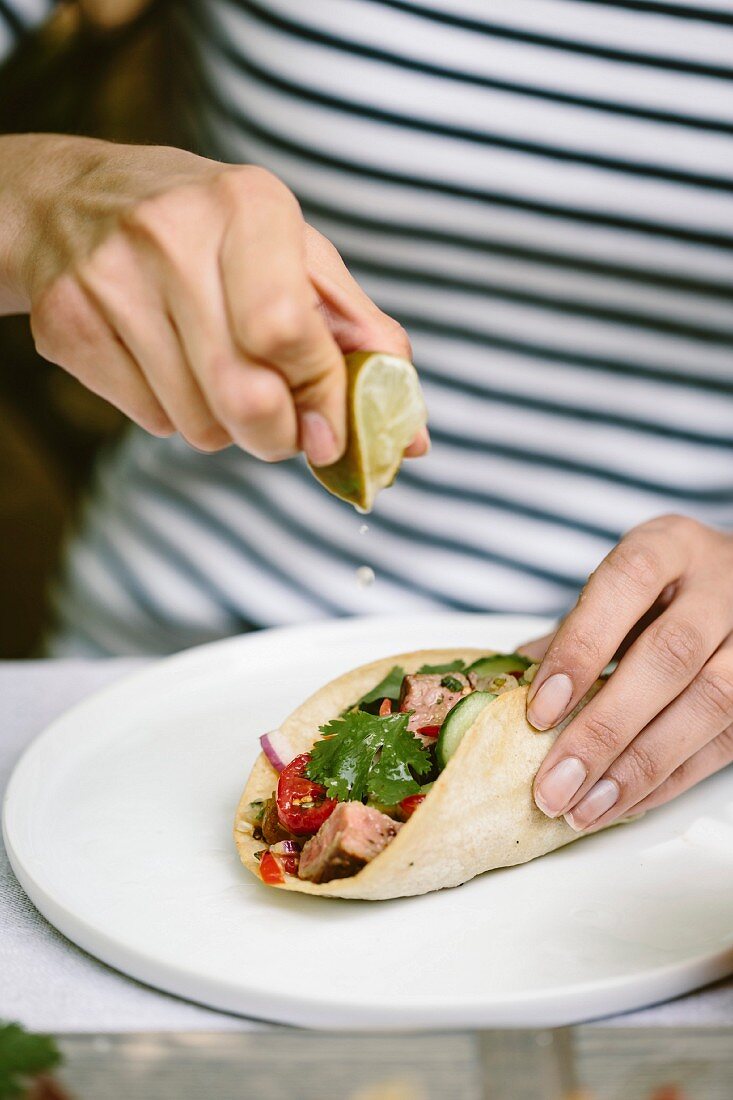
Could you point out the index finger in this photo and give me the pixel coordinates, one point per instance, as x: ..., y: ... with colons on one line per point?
x: 622, y: 589
x: 356, y: 322
x: 272, y: 306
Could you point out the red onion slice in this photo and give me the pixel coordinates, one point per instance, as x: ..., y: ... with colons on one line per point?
x: 277, y: 749
x: 285, y: 848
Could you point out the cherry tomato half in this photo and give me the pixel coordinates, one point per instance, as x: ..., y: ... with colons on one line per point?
x: 410, y: 804
x: 302, y: 805
x: 271, y: 871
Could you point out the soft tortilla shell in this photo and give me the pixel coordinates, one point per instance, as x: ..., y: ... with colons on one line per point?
x: 480, y: 814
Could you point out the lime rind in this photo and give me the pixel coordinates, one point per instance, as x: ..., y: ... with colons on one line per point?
x: 386, y: 410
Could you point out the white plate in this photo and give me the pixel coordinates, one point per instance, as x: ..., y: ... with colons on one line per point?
x: 118, y: 824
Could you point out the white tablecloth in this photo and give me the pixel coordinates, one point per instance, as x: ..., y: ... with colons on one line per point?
x: 48, y: 984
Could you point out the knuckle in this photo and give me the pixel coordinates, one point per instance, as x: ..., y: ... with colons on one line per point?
x: 263, y: 180
x: 152, y: 224
x: 105, y: 259
x: 602, y: 732
x: 677, y: 524
x: 60, y: 314
x: 158, y: 220
x: 146, y: 411
x: 155, y: 423
x: 253, y: 181
x: 640, y: 763
x: 276, y: 329
x: 272, y: 452
x: 715, y: 690
x: 107, y: 269
x: 145, y: 217
x: 677, y: 644
x: 399, y: 341
x: 255, y: 400
x: 724, y: 743
x: 209, y: 437
x: 635, y: 563
x: 680, y: 778
x: 232, y: 182
x: 584, y: 646
x: 665, y: 522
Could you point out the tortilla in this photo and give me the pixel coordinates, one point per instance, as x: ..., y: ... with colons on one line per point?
x: 479, y: 815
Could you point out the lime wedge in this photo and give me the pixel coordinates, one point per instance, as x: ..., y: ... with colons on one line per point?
x: 385, y: 411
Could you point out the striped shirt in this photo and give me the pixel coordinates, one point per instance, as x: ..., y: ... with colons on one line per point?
x: 17, y: 17
x: 542, y: 193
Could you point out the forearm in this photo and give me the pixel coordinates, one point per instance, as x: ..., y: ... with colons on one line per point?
x: 34, y: 170
x: 60, y: 195
x: 183, y: 291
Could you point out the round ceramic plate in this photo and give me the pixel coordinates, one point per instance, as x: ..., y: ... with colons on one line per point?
x: 118, y: 824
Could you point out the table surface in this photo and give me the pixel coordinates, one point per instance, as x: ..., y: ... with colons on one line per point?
x: 587, y: 1063
x: 48, y: 984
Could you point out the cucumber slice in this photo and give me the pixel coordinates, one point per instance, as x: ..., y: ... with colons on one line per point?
x: 497, y: 664
x: 458, y: 721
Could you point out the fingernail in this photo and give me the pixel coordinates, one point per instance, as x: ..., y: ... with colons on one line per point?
x: 598, y: 800
x: 559, y: 785
x: 318, y: 439
x: 551, y: 701
x: 419, y: 446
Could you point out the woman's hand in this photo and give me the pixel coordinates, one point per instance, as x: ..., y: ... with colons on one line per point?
x: 190, y: 294
x: 664, y: 721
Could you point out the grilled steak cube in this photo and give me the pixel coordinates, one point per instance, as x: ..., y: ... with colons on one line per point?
x: 430, y: 700
x: 351, y: 837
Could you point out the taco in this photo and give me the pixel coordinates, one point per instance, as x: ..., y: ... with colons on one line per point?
x: 409, y: 774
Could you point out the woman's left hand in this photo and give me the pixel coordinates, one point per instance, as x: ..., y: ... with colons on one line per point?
x: 664, y: 598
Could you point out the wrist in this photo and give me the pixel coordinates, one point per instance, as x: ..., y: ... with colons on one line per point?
x: 39, y: 174
x: 59, y: 195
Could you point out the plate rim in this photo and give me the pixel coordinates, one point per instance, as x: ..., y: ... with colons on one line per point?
x: 523, y: 1009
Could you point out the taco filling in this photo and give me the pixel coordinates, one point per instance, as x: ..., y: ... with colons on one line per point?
x: 338, y: 806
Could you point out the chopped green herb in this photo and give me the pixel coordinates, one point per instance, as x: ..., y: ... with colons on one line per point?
x: 369, y: 756
x: 394, y: 809
x: 451, y: 683
x: 22, y: 1057
x: 495, y: 665
x: 254, y: 812
x: 452, y: 666
x: 388, y: 688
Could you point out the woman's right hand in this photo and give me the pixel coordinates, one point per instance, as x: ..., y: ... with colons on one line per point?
x: 190, y: 294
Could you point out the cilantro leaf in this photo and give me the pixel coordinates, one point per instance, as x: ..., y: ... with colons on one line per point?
x: 23, y: 1056
x: 388, y: 688
x: 452, y: 666
x: 364, y: 755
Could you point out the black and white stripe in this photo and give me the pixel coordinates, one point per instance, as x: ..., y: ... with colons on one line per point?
x: 17, y: 17
x: 543, y: 194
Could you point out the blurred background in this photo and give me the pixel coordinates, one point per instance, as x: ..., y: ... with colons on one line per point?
x: 113, y: 78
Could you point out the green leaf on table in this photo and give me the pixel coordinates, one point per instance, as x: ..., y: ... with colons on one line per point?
x: 364, y: 755
x: 22, y: 1057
